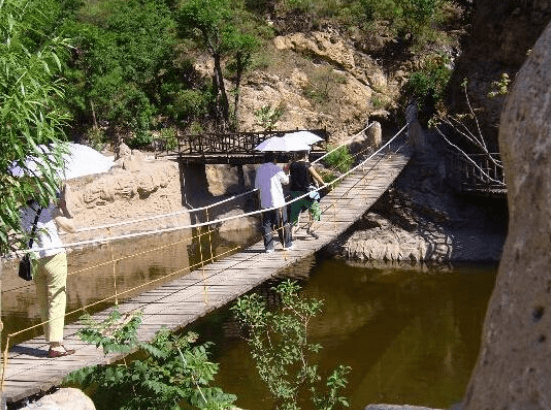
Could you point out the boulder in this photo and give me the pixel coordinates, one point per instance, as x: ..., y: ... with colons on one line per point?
x: 394, y: 407
x: 63, y: 399
x: 513, y: 370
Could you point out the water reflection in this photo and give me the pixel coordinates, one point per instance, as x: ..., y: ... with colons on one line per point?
x: 123, y: 268
x: 411, y: 337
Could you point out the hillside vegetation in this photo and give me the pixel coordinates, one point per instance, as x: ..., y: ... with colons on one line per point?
x: 132, y: 68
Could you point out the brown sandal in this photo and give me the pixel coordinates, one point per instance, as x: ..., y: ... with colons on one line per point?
x: 56, y: 353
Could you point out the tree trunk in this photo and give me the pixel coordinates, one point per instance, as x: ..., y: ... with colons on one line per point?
x: 223, y: 102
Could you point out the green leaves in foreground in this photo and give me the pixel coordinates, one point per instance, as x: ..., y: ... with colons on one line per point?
x: 174, y: 374
x: 30, y: 112
x: 283, y: 354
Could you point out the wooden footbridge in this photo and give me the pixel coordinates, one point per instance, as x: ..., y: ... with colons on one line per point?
x: 208, y: 286
x: 236, y: 148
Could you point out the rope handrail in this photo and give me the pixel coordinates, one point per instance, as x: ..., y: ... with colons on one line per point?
x: 211, y: 256
x: 200, y: 224
x: 192, y: 210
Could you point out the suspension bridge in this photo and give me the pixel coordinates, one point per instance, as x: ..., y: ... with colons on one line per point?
x: 186, y: 294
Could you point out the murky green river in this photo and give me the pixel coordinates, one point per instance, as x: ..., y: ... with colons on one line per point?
x: 410, y: 335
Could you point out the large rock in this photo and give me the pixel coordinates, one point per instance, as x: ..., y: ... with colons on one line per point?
x: 145, y: 189
x: 503, y: 33
x: 63, y: 399
x: 514, y: 367
x: 321, y: 44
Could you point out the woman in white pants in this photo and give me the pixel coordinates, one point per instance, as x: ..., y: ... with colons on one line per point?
x: 49, y: 268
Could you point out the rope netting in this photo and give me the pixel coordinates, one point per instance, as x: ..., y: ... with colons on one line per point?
x: 201, y: 231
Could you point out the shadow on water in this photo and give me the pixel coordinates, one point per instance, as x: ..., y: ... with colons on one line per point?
x: 410, y: 336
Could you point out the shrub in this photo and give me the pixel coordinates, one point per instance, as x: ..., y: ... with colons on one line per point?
x: 280, y: 347
x: 322, y: 84
x: 432, y: 79
x: 268, y: 116
x: 173, y: 370
x: 340, y: 159
x: 168, y: 136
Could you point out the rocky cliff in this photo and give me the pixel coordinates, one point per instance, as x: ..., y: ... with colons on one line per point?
x: 513, y: 369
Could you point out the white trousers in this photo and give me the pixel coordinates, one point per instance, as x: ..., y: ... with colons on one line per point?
x: 50, y: 278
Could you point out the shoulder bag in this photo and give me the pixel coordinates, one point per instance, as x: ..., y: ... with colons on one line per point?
x: 25, y: 270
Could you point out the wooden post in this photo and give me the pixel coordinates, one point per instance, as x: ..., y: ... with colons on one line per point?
x: 114, y: 264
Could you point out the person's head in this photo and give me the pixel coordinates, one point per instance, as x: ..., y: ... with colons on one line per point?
x: 303, y: 155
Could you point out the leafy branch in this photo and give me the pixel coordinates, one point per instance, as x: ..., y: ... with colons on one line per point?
x: 281, y: 349
x: 174, y: 370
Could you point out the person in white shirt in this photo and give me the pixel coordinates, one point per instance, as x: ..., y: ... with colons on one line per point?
x: 49, y: 268
x: 269, y: 180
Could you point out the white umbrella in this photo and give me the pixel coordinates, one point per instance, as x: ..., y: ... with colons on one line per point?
x: 281, y: 144
x: 305, y: 136
x: 79, y: 161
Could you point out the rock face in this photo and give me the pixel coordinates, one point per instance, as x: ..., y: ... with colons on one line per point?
x: 513, y: 370
x: 320, y: 81
x: 503, y: 34
x: 138, y: 188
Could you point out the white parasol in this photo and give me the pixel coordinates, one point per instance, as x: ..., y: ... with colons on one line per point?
x: 281, y: 144
x: 305, y: 136
x: 79, y: 161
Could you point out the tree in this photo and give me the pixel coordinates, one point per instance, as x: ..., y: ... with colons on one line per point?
x: 212, y: 24
x: 30, y: 113
x: 122, y: 62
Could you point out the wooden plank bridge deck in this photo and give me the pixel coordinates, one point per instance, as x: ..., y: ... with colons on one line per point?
x: 182, y: 301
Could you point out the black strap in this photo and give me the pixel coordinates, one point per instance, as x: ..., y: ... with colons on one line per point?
x: 34, y: 227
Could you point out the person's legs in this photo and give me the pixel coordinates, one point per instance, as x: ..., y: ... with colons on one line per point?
x: 296, y: 207
x: 314, y: 211
x: 268, y: 219
x: 40, y: 279
x: 284, y: 229
x: 51, y: 280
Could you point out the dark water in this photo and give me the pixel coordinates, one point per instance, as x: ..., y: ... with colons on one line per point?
x: 96, y: 274
x: 411, y: 337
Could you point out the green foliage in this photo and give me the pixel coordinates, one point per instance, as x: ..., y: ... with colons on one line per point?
x: 188, y: 104
x: 30, y: 113
x: 96, y: 138
x: 112, y: 335
x: 268, y: 116
x: 174, y: 370
x: 168, y: 136
x: 340, y: 159
x: 380, y: 101
x: 327, y: 175
x: 432, y: 79
x: 125, y: 50
x: 500, y: 87
x: 280, y: 347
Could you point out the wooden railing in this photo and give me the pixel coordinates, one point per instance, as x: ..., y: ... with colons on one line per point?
x: 479, y: 173
x: 223, y: 147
